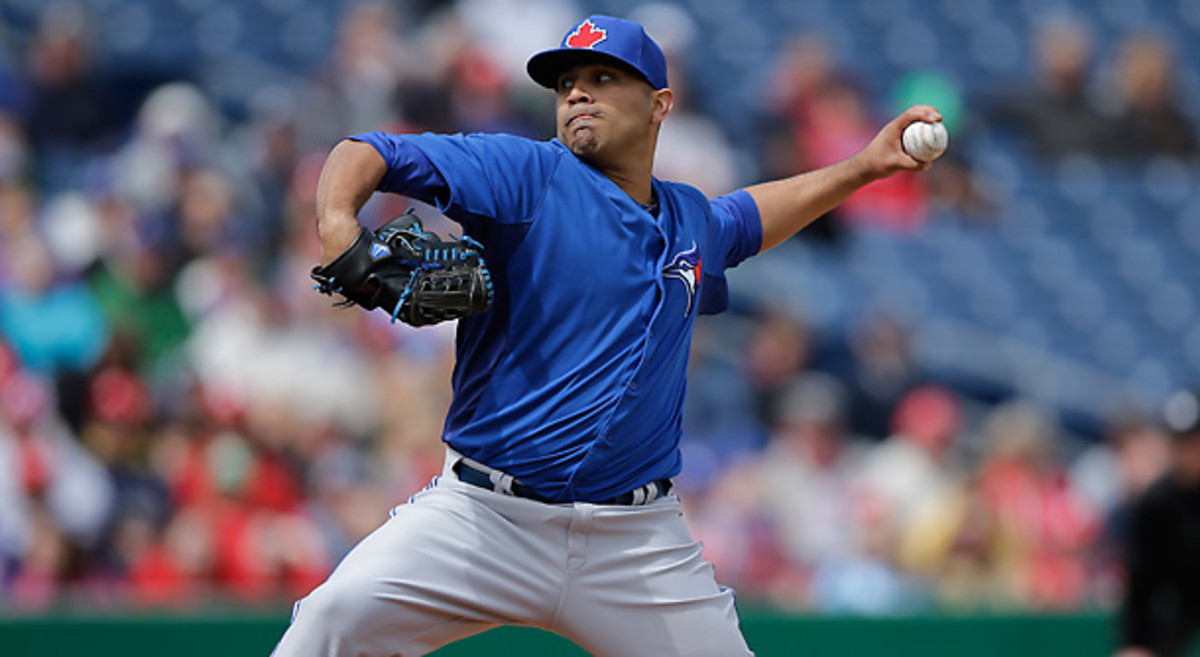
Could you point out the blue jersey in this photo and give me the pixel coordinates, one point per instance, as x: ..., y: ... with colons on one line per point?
x: 573, y: 382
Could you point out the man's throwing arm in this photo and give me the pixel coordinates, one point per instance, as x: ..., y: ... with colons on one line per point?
x: 789, y: 204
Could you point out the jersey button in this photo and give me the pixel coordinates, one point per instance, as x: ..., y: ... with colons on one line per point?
x: 633, y: 385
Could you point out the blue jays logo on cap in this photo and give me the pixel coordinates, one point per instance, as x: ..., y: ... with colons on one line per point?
x: 602, y: 38
x: 686, y: 268
x: 585, y: 35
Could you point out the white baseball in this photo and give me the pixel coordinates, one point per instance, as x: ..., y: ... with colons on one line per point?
x: 925, y: 141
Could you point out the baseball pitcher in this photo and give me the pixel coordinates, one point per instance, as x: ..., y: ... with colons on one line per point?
x: 578, y: 281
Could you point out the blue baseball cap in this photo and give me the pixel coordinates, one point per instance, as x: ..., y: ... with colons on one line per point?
x: 602, y: 38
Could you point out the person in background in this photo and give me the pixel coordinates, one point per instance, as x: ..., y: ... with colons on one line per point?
x: 1160, y: 613
x: 1054, y: 112
x: 1150, y: 120
x: 1044, y: 527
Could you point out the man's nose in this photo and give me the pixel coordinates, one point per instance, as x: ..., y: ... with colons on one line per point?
x: 578, y: 94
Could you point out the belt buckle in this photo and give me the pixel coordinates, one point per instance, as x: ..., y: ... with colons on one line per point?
x: 494, y: 480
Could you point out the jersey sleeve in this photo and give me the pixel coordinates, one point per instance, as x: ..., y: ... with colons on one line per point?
x: 467, y: 177
x: 735, y: 233
x: 409, y: 171
x: 737, y: 227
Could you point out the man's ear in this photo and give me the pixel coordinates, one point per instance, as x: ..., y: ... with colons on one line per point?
x: 664, y: 101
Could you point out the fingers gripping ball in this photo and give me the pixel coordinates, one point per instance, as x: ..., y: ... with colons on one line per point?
x: 925, y: 141
x: 415, y: 276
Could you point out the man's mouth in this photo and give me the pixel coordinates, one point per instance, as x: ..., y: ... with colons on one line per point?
x: 585, y: 116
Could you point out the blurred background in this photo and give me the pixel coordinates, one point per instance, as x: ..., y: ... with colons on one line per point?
x: 940, y: 398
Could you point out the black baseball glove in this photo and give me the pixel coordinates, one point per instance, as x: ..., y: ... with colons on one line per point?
x: 415, y: 276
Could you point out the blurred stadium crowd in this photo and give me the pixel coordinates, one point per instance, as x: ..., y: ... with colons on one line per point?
x: 941, y: 395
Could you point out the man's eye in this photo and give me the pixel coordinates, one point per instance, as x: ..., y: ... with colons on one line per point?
x: 565, y: 85
x: 605, y: 77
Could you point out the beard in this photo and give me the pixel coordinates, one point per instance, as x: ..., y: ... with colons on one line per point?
x: 585, y: 143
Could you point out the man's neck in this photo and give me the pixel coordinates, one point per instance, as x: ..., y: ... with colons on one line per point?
x: 639, y: 187
x: 633, y: 174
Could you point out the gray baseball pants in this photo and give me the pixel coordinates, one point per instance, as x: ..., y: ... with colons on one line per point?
x: 620, y: 581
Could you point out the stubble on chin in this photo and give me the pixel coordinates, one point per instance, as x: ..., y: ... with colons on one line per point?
x: 584, y: 142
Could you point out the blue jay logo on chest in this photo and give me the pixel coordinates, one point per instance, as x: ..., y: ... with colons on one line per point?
x: 686, y: 268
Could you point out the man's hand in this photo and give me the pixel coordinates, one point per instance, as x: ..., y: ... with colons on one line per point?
x: 885, y: 154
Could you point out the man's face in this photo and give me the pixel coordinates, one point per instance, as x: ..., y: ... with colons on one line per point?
x: 604, y: 111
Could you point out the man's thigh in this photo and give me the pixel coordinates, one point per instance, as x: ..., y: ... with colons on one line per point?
x: 443, y: 567
x: 646, y: 590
